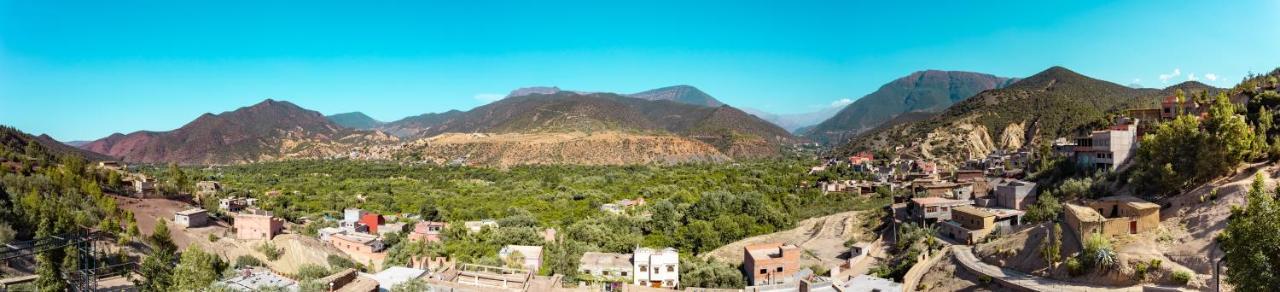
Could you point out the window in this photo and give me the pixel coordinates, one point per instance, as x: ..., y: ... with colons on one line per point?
x: 671, y: 268
x: 644, y: 267
x: 779, y: 269
x: 764, y: 271
x: 606, y: 273
x: 931, y: 209
x: 624, y: 273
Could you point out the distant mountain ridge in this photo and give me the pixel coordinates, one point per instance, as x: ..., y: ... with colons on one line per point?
x: 731, y: 130
x: 268, y: 130
x: 354, y: 120
x: 1056, y: 102
x: 796, y: 123
x: 922, y: 91
x: 680, y: 93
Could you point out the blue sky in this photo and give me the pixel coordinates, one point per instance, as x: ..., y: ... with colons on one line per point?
x: 83, y: 70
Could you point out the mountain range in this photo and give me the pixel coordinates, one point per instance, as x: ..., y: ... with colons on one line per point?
x: 274, y: 130
x: 354, y: 120
x: 1056, y: 102
x: 923, y: 91
x: 269, y: 130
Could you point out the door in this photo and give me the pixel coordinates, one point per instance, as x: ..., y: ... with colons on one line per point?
x: 1133, y: 227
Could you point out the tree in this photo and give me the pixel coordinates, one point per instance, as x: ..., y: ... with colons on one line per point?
x: 6, y: 232
x: 1046, y: 208
x: 196, y: 270
x: 48, y: 274
x: 160, y: 238
x: 709, y: 274
x: 412, y: 285
x: 1188, y: 152
x: 157, y: 268
x: 178, y: 178
x: 156, y: 271
x: 1051, y: 249
x: 1249, y: 242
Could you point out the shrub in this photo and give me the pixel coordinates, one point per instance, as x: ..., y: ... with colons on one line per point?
x: 270, y: 250
x: 1098, y: 252
x: 1181, y: 277
x: 1140, y: 271
x: 213, y: 238
x: 312, y: 271
x: 248, y: 261
x: 337, y: 262
x: 984, y: 279
x: 1074, y: 267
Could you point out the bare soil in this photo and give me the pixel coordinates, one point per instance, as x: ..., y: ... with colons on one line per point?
x: 821, y: 238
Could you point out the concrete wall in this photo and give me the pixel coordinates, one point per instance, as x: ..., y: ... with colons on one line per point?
x: 926, y: 261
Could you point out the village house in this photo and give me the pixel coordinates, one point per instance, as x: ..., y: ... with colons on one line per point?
x: 428, y: 231
x: 656, y: 268
x: 928, y: 168
x: 1170, y: 108
x: 475, y: 226
x: 868, y: 283
x: 932, y: 209
x: 194, y: 217
x: 371, y: 221
x: 143, y: 185
x: 326, y: 232
x: 861, y: 158
x: 389, y: 227
x: 350, y: 218
x: 392, y: 276
x: 607, y: 270
x: 257, y: 225
x: 621, y: 206
x: 770, y: 263
x: 1107, y: 149
x: 968, y: 224
x: 530, y: 256
x: 231, y: 204
x: 358, y: 245
x: 112, y: 165
x: 349, y: 280
x: 858, y: 252
x: 1112, y: 216
x: 968, y: 175
x: 1015, y: 194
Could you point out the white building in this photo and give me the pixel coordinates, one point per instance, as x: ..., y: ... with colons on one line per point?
x: 350, y: 217
x: 530, y: 255
x: 657, y: 268
x: 1108, y: 149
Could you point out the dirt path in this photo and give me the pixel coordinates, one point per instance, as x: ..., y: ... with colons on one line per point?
x: 1010, y: 277
x: 822, y: 238
x: 298, y: 249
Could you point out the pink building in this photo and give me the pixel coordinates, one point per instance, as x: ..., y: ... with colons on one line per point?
x: 257, y: 226
x: 428, y: 231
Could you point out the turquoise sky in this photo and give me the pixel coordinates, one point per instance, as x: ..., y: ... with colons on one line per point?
x: 83, y: 70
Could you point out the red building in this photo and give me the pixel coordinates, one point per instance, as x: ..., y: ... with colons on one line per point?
x: 372, y: 220
x: 861, y: 157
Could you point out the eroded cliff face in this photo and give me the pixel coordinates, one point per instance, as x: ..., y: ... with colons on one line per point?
x: 602, y: 148
x: 965, y: 140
